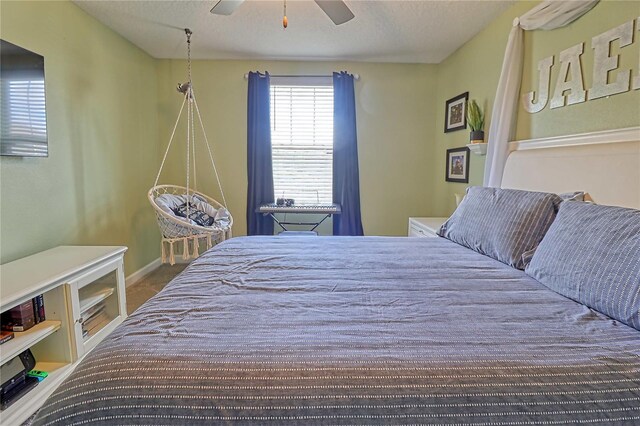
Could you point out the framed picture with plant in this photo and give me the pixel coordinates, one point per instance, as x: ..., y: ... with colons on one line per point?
x: 458, y: 165
x: 475, y: 118
x: 456, y: 113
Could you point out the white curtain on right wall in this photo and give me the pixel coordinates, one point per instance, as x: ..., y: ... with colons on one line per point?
x: 548, y: 15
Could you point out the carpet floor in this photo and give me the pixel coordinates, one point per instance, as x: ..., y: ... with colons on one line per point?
x: 151, y: 285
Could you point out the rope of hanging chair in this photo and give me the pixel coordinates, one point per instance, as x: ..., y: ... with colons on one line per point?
x: 213, y: 163
x: 173, y: 133
x: 190, y: 100
x: 188, y: 151
x: 193, y: 151
x: 206, y: 139
x: 189, y: 117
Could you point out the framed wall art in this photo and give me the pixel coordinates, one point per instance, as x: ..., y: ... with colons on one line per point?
x: 456, y: 113
x: 457, y: 165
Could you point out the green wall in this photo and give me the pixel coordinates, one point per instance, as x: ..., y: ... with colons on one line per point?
x: 103, y: 139
x: 394, y: 104
x: 475, y: 68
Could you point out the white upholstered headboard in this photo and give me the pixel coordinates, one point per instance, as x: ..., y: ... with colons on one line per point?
x: 606, y: 165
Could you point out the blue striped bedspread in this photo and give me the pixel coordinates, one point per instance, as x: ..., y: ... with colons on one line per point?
x: 341, y: 330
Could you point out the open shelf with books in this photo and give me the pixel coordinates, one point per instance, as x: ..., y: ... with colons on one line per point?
x: 23, y: 340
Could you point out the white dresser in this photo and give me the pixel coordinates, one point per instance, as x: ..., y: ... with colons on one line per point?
x: 425, y: 226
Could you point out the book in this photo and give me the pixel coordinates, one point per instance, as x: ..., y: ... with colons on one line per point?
x: 93, y: 310
x: 19, y: 318
x: 95, y: 323
x: 95, y: 319
x: 36, y: 313
x: 39, y: 306
x: 5, y: 336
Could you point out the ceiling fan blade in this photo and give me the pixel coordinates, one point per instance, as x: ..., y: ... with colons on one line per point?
x: 336, y: 10
x: 226, y: 7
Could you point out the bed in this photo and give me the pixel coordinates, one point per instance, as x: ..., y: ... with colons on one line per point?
x: 370, y: 330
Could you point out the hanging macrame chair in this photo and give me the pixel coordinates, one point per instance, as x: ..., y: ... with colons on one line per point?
x: 180, y: 209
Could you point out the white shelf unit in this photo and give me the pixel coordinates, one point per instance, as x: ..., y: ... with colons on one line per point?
x: 60, y: 275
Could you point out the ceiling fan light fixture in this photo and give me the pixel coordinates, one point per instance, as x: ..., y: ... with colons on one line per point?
x: 336, y: 10
x: 285, y: 21
x: 226, y: 7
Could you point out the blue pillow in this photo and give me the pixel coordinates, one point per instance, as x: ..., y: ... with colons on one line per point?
x: 505, y: 224
x: 591, y: 254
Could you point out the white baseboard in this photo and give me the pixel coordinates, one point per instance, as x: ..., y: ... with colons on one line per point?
x: 142, y: 272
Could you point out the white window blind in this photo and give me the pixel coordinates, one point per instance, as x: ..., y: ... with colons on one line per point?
x: 23, y: 114
x: 302, y: 142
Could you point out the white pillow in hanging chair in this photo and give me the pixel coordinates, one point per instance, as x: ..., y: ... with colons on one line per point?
x: 222, y: 219
x: 168, y: 202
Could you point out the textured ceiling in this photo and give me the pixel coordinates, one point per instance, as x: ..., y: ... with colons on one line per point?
x: 382, y: 31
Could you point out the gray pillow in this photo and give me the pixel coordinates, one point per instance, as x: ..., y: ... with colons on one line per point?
x: 505, y: 224
x: 591, y: 254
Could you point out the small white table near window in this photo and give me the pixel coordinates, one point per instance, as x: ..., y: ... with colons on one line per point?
x: 425, y: 227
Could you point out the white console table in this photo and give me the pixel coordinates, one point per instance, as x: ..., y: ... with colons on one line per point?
x: 73, y: 279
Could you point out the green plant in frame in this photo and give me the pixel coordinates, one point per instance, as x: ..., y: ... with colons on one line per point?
x: 475, y: 116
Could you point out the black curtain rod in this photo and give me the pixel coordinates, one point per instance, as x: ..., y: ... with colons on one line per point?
x: 355, y: 76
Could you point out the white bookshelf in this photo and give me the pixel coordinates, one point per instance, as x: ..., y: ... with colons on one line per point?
x: 72, y: 279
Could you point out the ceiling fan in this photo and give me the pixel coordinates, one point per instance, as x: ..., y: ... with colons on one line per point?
x: 336, y: 10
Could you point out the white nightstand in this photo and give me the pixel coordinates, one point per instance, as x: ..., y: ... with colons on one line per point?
x: 425, y: 226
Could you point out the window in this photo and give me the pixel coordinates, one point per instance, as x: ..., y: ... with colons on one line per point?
x: 302, y: 141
